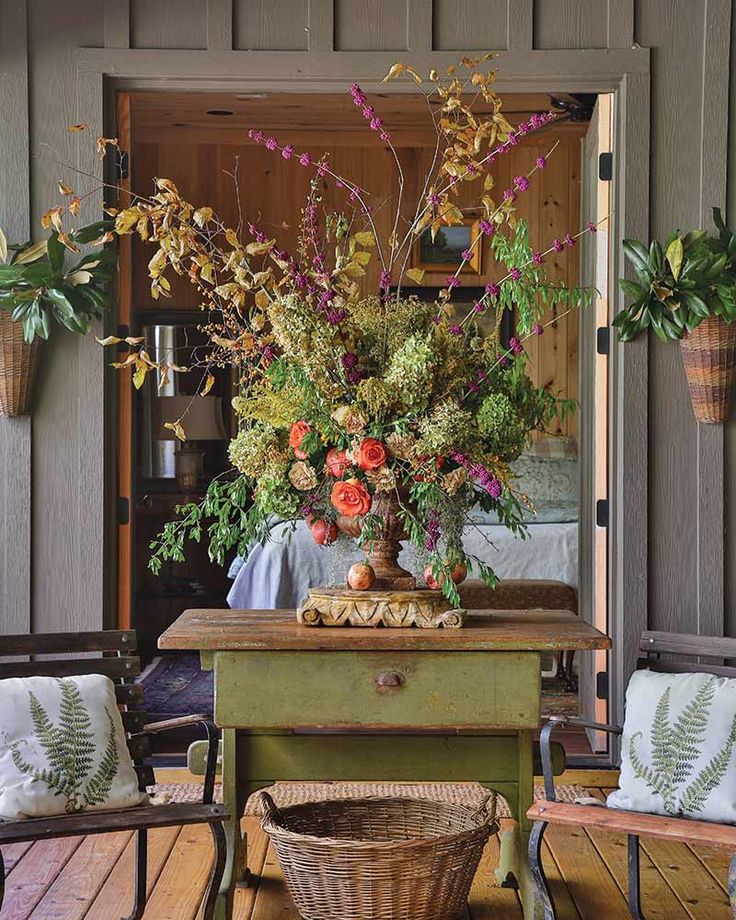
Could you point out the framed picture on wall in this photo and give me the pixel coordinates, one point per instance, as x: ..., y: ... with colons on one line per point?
x: 444, y: 253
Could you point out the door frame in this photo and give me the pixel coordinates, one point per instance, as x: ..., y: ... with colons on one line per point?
x: 625, y: 73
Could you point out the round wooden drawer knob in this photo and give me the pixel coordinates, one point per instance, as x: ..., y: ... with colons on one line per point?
x: 389, y: 679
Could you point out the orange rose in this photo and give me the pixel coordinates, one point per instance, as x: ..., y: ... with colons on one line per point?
x: 337, y: 462
x: 351, y: 497
x: 370, y: 454
x: 299, y: 430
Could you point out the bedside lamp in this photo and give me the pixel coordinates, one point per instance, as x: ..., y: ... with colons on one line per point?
x: 201, y: 419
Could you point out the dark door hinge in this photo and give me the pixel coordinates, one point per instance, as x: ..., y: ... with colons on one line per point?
x: 123, y: 510
x: 603, y: 340
x: 601, y: 512
x: 601, y: 685
x: 605, y: 167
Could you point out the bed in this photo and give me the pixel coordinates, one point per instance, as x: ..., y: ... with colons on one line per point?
x: 279, y: 574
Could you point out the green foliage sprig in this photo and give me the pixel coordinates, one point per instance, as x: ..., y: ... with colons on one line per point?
x: 680, y: 283
x: 38, y: 286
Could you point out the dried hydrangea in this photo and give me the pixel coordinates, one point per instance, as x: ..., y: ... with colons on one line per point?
x: 403, y: 446
x: 375, y: 396
x: 250, y: 449
x: 448, y: 426
x: 302, y: 476
x: 501, y: 427
x: 383, y: 479
x: 350, y: 418
x: 410, y: 373
x: 452, y: 481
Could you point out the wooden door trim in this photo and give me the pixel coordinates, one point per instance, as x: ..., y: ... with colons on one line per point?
x: 124, y: 389
x: 626, y: 73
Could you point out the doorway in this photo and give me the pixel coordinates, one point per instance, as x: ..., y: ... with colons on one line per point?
x: 199, y: 141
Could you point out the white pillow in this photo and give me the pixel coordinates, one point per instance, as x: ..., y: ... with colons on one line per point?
x: 62, y: 748
x: 679, y: 747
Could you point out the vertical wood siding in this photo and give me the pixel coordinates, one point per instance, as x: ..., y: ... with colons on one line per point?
x: 689, y: 578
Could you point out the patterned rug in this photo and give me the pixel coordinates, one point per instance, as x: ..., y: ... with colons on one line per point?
x: 284, y: 794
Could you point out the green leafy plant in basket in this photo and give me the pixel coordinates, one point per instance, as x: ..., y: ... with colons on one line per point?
x: 38, y: 288
x: 686, y: 291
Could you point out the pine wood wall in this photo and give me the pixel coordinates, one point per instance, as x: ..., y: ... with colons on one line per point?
x: 202, y: 157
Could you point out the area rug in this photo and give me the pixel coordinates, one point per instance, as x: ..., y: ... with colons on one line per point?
x: 284, y: 794
x: 175, y: 685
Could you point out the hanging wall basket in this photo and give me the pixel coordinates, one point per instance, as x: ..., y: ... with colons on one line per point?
x: 18, y: 362
x: 709, y: 358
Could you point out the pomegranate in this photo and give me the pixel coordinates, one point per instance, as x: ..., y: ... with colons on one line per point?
x: 361, y: 576
x: 323, y: 532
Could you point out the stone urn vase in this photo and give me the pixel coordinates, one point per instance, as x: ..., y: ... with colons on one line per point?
x: 18, y: 363
x: 709, y: 359
x: 383, y: 551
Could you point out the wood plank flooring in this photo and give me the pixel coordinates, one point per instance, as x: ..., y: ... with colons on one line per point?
x: 92, y: 878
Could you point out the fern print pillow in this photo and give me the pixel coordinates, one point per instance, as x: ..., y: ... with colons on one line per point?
x: 62, y: 748
x: 679, y: 747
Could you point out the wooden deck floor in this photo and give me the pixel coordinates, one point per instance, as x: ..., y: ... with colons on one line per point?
x: 92, y: 878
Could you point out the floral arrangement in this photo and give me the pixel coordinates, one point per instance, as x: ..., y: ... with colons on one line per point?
x: 351, y: 399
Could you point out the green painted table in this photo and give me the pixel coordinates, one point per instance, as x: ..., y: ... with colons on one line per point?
x: 298, y: 703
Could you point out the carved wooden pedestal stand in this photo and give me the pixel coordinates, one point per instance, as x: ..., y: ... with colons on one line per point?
x: 344, y: 607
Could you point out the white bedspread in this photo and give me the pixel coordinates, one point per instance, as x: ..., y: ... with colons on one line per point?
x: 279, y: 574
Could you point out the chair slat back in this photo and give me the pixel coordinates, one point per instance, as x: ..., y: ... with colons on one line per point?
x: 682, y: 646
x: 113, y: 654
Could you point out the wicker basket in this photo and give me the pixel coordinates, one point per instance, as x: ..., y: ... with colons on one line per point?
x: 379, y: 858
x: 18, y: 362
x: 709, y: 357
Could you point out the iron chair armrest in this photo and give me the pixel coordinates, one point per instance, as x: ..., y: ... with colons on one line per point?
x: 546, y: 749
x: 213, y: 742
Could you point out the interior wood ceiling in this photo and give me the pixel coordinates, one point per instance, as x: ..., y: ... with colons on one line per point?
x: 160, y: 117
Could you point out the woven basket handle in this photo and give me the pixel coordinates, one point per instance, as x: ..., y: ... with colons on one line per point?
x: 269, y: 809
x: 488, y: 814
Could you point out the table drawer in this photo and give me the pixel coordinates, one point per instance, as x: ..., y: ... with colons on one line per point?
x: 287, y: 689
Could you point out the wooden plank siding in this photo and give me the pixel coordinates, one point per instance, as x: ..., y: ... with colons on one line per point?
x: 673, y: 530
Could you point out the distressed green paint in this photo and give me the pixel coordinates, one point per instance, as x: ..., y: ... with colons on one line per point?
x: 262, y: 696
x: 197, y: 756
x: 262, y: 689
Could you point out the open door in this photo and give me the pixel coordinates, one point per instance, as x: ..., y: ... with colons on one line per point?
x: 594, y: 437
x: 125, y: 393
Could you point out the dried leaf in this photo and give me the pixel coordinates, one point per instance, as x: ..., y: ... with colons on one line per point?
x: 259, y: 249
x: 262, y: 299
x: 103, y: 143
x: 202, y: 215
x: 108, y: 340
x: 395, y: 71
x: 134, y: 339
x: 65, y: 190
x: 176, y: 427
x: 33, y: 252
x: 208, y: 384
x: 365, y: 238
x: 361, y: 257
x: 416, y: 274
x: 417, y: 78
x: 3, y: 247
x: 74, y: 206
x: 79, y: 127
x: 79, y: 277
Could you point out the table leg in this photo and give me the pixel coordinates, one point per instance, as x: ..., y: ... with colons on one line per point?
x: 513, y: 867
x: 234, y: 801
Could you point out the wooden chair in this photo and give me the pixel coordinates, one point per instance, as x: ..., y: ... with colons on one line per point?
x: 114, y: 655
x: 634, y: 824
